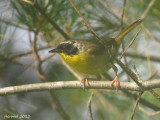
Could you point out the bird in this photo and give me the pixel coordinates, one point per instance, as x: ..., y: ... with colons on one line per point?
x: 92, y: 56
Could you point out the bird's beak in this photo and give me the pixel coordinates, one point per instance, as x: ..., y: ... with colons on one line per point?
x: 53, y: 50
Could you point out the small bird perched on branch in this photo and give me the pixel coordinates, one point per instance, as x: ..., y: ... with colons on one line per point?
x: 91, y: 56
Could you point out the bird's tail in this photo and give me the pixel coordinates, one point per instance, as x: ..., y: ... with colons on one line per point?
x: 119, y: 37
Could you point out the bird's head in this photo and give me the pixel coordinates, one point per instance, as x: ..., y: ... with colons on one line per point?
x: 66, y: 47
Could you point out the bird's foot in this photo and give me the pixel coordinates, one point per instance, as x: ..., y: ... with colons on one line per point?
x: 116, y: 81
x: 84, y: 80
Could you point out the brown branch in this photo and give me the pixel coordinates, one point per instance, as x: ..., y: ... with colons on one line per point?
x: 122, y: 15
x: 155, y: 94
x: 29, y: 1
x: 127, y: 70
x: 124, y: 51
x: 88, y: 26
x: 75, y: 73
x: 147, y: 85
x: 148, y: 113
x: 89, y: 106
x: 137, y: 74
x: 121, y: 28
x: 155, y: 39
x: 13, y: 58
x: 140, y: 93
x: 27, y: 53
x: 136, y: 104
x: 148, y: 8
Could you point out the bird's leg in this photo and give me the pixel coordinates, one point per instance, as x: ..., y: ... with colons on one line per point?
x: 116, y: 81
x: 84, y: 80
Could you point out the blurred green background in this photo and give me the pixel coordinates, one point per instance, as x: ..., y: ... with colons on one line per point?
x: 21, y: 22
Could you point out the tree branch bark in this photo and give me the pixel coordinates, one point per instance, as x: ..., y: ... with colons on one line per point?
x: 147, y: 85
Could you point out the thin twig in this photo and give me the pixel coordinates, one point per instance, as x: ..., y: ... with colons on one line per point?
x: 126, y: 69
x: 125, y: 58
x: 140, y: 94
x: 88, y: 26
x: 152, y: 75
x: 124, y: 51
x: 148, y: 8
x: 7, y: 37
x: 121, y: 28
x: 89, y: 106
x: 47, y: 58
x: 71, y: 70
x: 29, y: 1
x: 142, y: 101
x: 155, y: 39
x: 155, y: 94
x: 148, y: 113
x: 137, y: 74
x: 135, y: 106
x: 122, y: 15
x: 20, y: 55
x: 106, y: 103
x: 14, y: 57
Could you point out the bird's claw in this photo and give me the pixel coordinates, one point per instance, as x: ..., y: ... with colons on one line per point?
x: 84, y: 80
x: 116, y: 81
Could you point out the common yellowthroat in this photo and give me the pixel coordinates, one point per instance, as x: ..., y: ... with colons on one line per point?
x: 91, y: 56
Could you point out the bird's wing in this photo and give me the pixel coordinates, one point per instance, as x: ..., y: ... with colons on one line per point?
x: 94, y: 47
